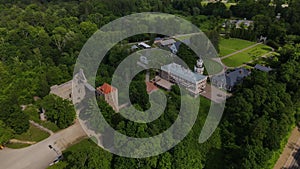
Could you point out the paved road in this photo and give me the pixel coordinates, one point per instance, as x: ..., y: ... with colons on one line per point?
x: 294, y: 159
x: 294, y: 162
x: 218, y: 96
x: 39, y: 156
x: 290, y: 154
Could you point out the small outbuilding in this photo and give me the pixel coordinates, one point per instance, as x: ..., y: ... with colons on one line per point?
x: 262, y: 68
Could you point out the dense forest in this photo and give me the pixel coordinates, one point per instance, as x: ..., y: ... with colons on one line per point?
x: 41, y: 39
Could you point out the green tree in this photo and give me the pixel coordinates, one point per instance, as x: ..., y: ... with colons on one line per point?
x: 165, y: 161
x: 88, y: 28
x: 138, y: 94
x: 59, y: 111
x: 18, y: 121
x: 5, y: 133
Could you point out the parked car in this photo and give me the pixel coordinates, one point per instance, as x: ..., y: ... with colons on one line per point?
x: 56, y: 160
x: 60, y: 157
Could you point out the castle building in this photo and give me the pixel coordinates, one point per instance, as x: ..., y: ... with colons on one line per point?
x: 175, y: 73
x: 231, y: 79
x: 79, y: 82
x: 199, y: 67
x: 110, y: 94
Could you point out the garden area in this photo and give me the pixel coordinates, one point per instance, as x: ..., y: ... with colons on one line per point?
x: 247, y: 56
x: 228, y: 46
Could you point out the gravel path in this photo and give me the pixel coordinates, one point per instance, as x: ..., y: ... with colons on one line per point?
x: 41, y: 127
x: 21, y: 141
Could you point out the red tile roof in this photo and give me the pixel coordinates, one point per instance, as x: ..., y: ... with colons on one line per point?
x: 106, y: 88
x: 151, y: 87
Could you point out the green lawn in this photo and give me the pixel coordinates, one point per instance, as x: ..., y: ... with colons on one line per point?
x: 213, y: 66
x: 228, y: 46
x: 246, y: 56
x: 49, y: 125
x: 84, y: 144
x: 34, y: 115
x: 33, y: 134
x: 16, y: 145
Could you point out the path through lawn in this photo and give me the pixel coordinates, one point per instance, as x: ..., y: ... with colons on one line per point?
x: 228, y: 46
x: 34, y: 134
x: 246, y: 56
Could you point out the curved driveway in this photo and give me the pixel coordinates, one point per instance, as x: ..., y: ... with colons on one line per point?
x: 39, y: 156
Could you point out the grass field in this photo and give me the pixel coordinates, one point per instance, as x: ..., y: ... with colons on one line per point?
x: 246, y: 56
x: 33, y: 134
x: 34, y: 115
x: 213, y: 66
x: 228, y: 46
x: 84, y: 144
x: 49, y: 125
x: 16, y: 145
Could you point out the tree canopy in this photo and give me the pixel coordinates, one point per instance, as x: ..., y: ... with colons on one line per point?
x: 59, y: 111
x: 41, y: 39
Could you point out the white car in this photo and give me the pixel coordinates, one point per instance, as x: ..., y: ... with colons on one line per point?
x: 56, y: 160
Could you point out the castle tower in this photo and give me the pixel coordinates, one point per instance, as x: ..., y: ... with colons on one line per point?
x: 110, y: 95
x: 199, y: 67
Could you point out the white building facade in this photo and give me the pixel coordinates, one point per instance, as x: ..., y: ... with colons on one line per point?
x: 195, y: 83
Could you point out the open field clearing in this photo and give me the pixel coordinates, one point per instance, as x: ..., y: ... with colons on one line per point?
x: 228, y: 46
x: 33, y: 134
x: 247, y: 56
